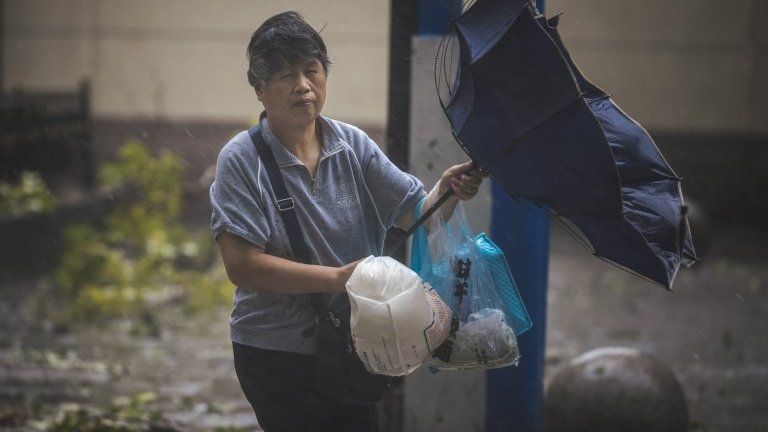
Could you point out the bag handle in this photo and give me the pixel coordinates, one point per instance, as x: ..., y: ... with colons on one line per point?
x: 285, y: 205
x: 420, y: 258
x: 423, y: 218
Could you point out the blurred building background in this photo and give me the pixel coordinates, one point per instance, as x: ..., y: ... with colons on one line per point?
x: 185, y: 61
x: 693, y: 72
x: 172, y: 73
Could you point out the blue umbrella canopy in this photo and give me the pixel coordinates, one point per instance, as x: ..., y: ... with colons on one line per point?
x: 527, y: 116
x: 653, y: 214
x: 518, y: 112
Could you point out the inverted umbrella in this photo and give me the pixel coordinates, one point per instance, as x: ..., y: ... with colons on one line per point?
x: 521, y: 110
x: 653, y: 208
x: 517, y: 111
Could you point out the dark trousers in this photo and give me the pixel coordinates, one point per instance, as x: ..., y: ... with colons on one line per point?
x: 280, y: 387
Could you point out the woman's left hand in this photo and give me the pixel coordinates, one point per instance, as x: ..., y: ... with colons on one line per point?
x: 462, y: 181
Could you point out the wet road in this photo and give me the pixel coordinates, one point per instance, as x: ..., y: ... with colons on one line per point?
x: 712, y: 331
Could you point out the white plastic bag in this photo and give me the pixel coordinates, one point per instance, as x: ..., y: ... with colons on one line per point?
x: 397, y: 321
x: 483, y: 339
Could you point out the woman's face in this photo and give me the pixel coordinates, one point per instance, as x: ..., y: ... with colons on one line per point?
x: 295, y: 95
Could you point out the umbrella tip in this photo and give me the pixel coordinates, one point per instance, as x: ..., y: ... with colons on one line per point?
x: 682, y: 230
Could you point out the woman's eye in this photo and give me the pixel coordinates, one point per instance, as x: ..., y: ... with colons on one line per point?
x: 311, y: 71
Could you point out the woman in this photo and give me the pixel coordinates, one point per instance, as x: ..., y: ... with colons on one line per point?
x: 346, y: 194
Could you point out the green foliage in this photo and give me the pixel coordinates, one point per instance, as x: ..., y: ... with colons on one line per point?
x: 143, y: 256
x: 133, y: 414
x: 160, y: 185
x: 213, y: 288
x: 138, y: 413
x: 28, y: 195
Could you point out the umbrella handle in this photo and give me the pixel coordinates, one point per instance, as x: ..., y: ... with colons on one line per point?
x: 443, y: 198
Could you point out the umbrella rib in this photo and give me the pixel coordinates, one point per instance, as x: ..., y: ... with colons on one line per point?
x: 502, y: 28
x: 646, y: 181
x: 446, y: 71
x: 587, y: 245
x: 511, y: 144
x: 580, y: 238
x: 634, y: 273
x: 441, y: 49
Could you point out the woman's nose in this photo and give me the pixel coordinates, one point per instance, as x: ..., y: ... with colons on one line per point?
x: 303, y: 85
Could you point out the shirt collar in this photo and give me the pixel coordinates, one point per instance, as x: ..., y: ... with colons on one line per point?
x: 332, y: 143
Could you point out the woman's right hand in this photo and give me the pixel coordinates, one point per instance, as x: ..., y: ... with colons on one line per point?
x: 345, y: 272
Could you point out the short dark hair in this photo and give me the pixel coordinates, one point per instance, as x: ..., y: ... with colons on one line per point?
x: 282, y: 41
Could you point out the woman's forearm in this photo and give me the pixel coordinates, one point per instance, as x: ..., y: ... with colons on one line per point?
x: 268, y: 273
x: 446, y: 210
x: 250, y: 268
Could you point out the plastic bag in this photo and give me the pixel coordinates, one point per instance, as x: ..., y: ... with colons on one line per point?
x: 471, y: 275
x: 397, y: 320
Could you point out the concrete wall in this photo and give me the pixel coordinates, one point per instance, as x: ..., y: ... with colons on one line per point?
x: 450, y: 400
x: 185, y: 60
x: 694, y: 66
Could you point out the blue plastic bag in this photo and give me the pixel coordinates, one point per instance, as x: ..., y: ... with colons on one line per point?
x: 471, y: 275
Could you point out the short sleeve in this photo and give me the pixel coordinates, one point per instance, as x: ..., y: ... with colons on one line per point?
x: 236, y: 200
x: 393, y: 191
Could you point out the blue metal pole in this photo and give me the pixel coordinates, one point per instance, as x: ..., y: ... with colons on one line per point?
x: 515, y: 395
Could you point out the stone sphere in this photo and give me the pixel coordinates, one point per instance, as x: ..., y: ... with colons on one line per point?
x: 615, y: 389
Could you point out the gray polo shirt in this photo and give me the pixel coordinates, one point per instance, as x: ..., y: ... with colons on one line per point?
x: 357, y: 194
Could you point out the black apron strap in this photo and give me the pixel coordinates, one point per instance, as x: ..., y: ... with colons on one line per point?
x: 285, y: 205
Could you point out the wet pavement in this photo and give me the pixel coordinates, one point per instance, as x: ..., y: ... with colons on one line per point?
x: 188, y: 367
x: 711, y: 331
